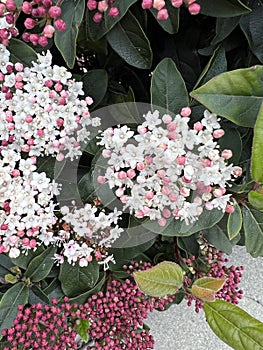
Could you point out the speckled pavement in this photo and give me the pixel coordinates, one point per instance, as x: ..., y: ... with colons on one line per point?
x: 180, y: 328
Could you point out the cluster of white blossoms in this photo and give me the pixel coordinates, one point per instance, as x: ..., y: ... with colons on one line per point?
x: 167, y: 169
x: 26, y: 204
x: 86, y: 232
x: 40, y: 109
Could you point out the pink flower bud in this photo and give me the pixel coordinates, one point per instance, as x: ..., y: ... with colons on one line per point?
x: 60, y: 157
x: 41, y: 11
x: 15, y: 173
x: 237, y: 171
x: 162, y: 222
x: 184, y: 191
x: 139, y: 214
x: 89, y: 100
x: 42, y: 41
x: 186, y: 111
x: 10, y: 19
x: 47, y: 3
x: 49, y: 31
x: 101, y: 179
x: 29, y: 119
x: 140, y: 166
x: 10, y: 5
x: 162, y: 16
x: 114, y: 12
x: 171, y: 126
x: 124, y: 199
x: 141, y: 130
x: 131, y: 173
x: 158, y: 4
x: 189, y: 2
x: 2, y: 9
x: 54, y: 11
x: 198, y: 126
x: 60, y: 25
x: 167, y: 119
x: 180, y: 160
x: 149, y: 195
x: 194, y: 9
x: 166, y: 190
x: 230, y: 208
x: 209, y: 206
x: 166, y: 213
x: 34, y: 39
x: 173, y: 197
x: 119, y: 192
x: 177, y: 3
x: 97, y: 17
x: 92, y: 5
x: 147, y: 4
x: 102, y: 6
x: 122, y: 175
x: 218, y: 133
x: 19, y: 67
x: 227, y: 153
x: 29, y: 23
x: 149, y: 160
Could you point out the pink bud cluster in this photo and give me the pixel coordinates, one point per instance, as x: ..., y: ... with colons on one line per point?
x: 8, y: 16
x: 162, y: 12
x: 218, y: 269
x: 49, y: 327
x: 167, y: 169
x: 102, y: 7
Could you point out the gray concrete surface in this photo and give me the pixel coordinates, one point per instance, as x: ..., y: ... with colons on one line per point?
x: 180, y: 328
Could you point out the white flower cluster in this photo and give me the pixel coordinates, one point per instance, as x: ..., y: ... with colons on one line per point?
x: 168, y: 169
x: 40, y: 109
x: 26, y: 204
x: 85, y: 231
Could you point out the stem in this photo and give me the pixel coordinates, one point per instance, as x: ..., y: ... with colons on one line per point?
x: 176, y: 251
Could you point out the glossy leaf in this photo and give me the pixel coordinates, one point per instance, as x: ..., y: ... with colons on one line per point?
x: 256, y: 199
x: 5, y: 265
x: 168, y: 88
x: 253, y: 228
x: 257, y: 147
x: 95, y: 83
x: 129, y: 41
x: 236, y: 95
x: 224, y: 26
x: 23, y: 260
x: 76, y: 280
x: 72, y: 13
x: 223, y: 8
x: 180, y: 229
x: 234, y: 326
x: 41, y: 265
x: 21, y: 52
x: 234, y: 222
x: 160, y: 280
x: 36, y: 295
x: 205, y: 288
x: 171, y: 25
x: 98, y: 30
x: 252, y: 26
x: 231, y: 140
x: 14, y: 296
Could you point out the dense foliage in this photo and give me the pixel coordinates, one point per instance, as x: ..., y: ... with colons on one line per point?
x: 131, y: 142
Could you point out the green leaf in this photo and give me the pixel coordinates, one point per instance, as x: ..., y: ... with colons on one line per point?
x: 95, y: 84
x: 128, y: 39
x: 41, y: 265
x: 205, y: 288
x: 252, y: 26
x: 179, y: 228
x: 16, y: 295
x: 224, y: 26
x: 236, y: 95
x: 23, y: 260
x: 36, y: 295
x: 9, y: 278
x: 253, y: 228
x: 98, y: 30
x: 5, y: 264
x: 216, y: 65
x: 171, y: 25
x: 223, y: 8
x: 257, y: 147
x: 234, y: 222
x: 72, y: 13
x: 21, y: 52
x: 82, y: 327
x: 234, y: 326
x: 231, y: 140
x: 76, y: 280
x: 160, y: 280
x: 168, y: 88
x: 256, y: 199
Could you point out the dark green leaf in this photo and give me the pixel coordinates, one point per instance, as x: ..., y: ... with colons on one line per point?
x: 252, y: 26
x: 95, y: 84
x: 168, y: 89
x: 98, y: 30
x: 256, y: 158
x: 24, y: 260
x: 21, y: 52
x: 223, y: 8
x: 216, y: 65
x: 47, y: 165
x: 171, y: 25
x: 253, y: 227
x: 236, y: 95
x: 130, y: 42
x: 41, y: 265
x: 224, y: 26
x: 231, y: 140
x: 72, y: 13
x: 36, y: 295
x: 16, y: 295
x: 234, y: 222
x: 5, y: 262
x: 76, y: 280
x: 234, y: 326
